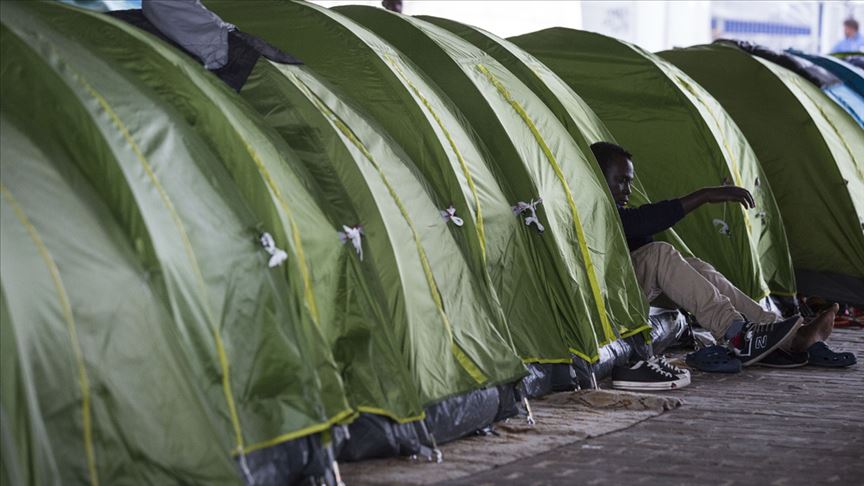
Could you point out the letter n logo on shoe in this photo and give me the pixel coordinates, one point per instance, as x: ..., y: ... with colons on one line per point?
x: 761, y: 342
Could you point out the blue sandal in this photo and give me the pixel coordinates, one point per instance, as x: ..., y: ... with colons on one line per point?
x: 821, y: 355
x: 714, y: 359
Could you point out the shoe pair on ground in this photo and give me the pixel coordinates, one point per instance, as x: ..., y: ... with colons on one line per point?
x: 753, y: 343
x: 761, y: 343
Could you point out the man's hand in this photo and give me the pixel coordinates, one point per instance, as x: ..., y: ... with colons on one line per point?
x: 718, y: 195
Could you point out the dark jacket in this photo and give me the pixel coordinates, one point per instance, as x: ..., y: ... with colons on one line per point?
x: 642, y: 223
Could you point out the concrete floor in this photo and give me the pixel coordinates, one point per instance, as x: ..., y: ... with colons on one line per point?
x: 760, y: 427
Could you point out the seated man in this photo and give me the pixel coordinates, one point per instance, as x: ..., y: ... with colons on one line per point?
x: 752, y: 332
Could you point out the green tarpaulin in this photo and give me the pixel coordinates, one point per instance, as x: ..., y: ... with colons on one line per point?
x: 682, y: 139
x: 812, y: 152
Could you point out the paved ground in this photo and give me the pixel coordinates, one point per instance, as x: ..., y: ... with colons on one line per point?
x: 762, y: 427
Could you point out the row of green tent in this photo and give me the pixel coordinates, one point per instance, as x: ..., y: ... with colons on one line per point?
x: 403, y: 235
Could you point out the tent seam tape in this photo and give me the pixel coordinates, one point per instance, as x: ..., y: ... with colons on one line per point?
x: 308, y: 293
x: 83, y: 380
x: 736, y: 173
x: 673, y: 74
x: 223, y: 359
x: 387, y: 413
x: 580, y: 232
x: 463, y: 358
x: 546, y: 360
x: 584, y: 356
x: 341, y: 416
x: 646, y: 327
x: 836, y: 131
x: 465, y: 171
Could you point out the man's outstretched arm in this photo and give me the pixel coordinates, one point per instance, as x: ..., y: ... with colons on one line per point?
x: 718, y: 194
x: 650, y: 219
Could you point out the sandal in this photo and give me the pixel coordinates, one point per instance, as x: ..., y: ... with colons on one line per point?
x: 714, y: 359
x: 821, y: 355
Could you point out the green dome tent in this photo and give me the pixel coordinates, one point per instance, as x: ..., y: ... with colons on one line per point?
x: 682, y: 140
x: 812, y: 153
x: 135, y: 293
x: 369, y: 180
x: 586, y: 255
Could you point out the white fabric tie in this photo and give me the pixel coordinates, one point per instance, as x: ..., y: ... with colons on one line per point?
x: 449, y: 214
x: 353, y: 233
x: 723, y: 227
x: 277, y: 256
x: 531, y: 207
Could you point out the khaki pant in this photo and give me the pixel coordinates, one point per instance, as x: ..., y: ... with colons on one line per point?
x: 696, y: 286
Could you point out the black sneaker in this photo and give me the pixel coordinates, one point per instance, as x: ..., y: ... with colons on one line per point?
x: 757, y: 341
x: 785, y: 359
x: 646, y: 376
x: 667, y: 366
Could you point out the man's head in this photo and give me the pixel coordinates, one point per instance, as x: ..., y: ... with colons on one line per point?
x: 850, y: 27
x: 617, y: 167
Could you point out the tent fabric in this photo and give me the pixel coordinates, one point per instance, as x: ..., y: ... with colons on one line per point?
x: 817, y: 174
x: 245, y: 344
x: 682, y: 139
x: 850, y: 95
x: 400, y: 99
x: 588, y: 255
x: 578, y: 118
x: 849, y: 100
x: 816, y: 74
x: 59, y: 326
x: 403, y: 229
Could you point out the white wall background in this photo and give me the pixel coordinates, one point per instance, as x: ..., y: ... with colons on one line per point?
x: 653, y: 25
x: 809, y: 25
x: 503, y: 18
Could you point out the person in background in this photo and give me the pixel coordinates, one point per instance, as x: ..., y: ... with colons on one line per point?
x: 853, y: 41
